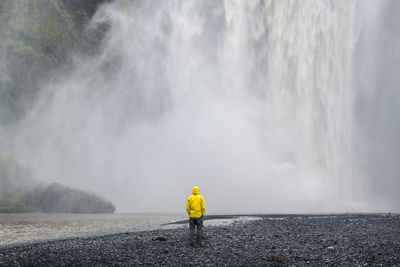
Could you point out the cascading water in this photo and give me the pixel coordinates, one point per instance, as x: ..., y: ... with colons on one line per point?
x: 251, y: 99
x: 309, y: 55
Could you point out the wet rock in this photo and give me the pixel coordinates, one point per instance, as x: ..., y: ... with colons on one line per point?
x: 59, y: 198
x: 160, y: 238
x: 276, y: 259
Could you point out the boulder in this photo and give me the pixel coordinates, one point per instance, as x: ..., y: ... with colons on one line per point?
x: 61, y: 199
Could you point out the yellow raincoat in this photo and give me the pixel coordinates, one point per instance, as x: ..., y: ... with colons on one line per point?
x: 195, y: 205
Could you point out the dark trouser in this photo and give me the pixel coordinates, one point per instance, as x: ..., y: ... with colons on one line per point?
x: 193, y: 222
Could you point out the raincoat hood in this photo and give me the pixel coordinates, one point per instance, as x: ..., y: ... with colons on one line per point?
x: 196, y: 190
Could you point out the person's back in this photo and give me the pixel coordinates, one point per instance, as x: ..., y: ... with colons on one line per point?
x: 196, y: 209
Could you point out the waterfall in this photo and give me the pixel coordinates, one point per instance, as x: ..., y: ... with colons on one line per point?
x: 300, y: 60
x: 251, y: 98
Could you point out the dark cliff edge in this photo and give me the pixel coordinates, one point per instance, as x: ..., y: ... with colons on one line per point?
x: 37, y: 38
x: 61, y: 199
x: 20, y: 193
x: 14, y: 184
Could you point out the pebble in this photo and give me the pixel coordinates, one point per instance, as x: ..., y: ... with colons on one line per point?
x: 371, y: 240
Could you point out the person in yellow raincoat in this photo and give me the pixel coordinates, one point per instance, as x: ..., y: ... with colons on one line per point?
x: 196, y: 209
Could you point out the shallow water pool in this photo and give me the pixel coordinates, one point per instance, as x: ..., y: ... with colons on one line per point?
x: 24, y: 227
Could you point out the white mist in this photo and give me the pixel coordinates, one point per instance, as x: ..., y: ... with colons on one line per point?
x: 252, y: 101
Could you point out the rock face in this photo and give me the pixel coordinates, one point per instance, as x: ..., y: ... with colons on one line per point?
x: 59, y: 198
x: 20, y: 193
x: 14, y: 183
x: 36, y: 37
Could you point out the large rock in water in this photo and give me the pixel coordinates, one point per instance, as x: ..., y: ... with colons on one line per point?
x: 59, y: 198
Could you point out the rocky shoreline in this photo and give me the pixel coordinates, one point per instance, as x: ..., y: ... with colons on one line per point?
x: 280, y: 240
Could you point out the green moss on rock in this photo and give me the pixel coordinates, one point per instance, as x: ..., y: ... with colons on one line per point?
x: 36, y: 37
x: 14, y: 183
x: 20, y: 193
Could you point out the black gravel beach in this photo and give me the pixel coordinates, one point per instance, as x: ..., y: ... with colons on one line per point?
x: 279, y: 240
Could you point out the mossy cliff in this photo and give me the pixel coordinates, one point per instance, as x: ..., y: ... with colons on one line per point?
x: 14, y: 183
x: 59, y: 198
x: 20, y: 193
x: 36, y: 37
